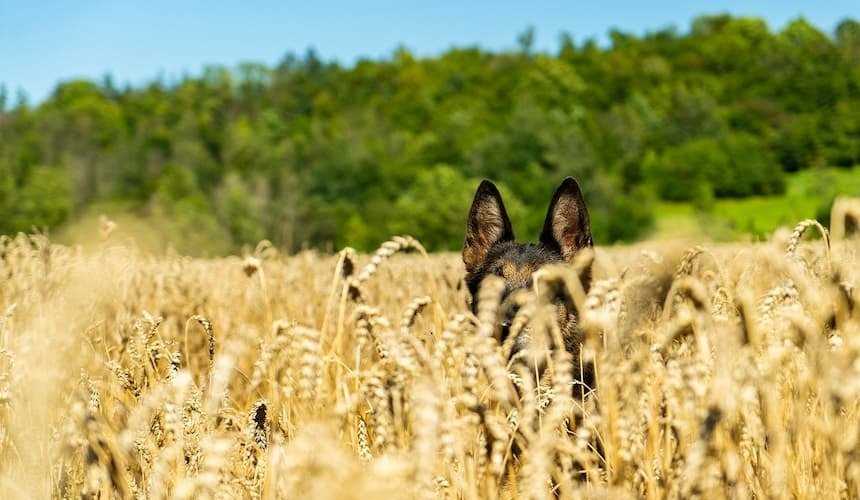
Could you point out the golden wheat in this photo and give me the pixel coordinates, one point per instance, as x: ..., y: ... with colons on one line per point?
x: 732, y: 376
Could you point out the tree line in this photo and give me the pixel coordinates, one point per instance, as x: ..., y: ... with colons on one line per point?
x: 315, y: 153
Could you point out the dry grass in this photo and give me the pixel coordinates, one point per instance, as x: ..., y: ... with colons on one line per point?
x: 723, y: 372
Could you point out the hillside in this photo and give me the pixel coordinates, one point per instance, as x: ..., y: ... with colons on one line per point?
x: 314, y: 153
x: 809, y: 195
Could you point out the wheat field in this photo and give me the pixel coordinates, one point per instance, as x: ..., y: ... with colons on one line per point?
x: 723, y: 371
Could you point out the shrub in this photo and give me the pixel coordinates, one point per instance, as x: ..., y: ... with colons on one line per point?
x: 434, y: 208
x: 734, y: 165
x: 798, y: 145
x: 628, y: 217
x: 750, y: 168
x: 677, y: 174
x: 44, y: 201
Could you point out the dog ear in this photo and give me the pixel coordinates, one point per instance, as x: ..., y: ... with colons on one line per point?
x: 488, y: 224
x: 567, y: 228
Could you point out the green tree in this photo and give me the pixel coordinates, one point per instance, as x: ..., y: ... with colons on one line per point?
x: 241, y: 211
x: 434, y: 209
x: 311, y: 153
x: 679, y: 173
x: 43, y: 201
x: 750, y: 168
x: 186, y: 214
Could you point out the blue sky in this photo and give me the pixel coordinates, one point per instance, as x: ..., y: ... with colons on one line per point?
x: 43, y: 42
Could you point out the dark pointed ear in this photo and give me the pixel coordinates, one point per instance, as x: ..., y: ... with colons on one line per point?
x: 488, y: 224
x: 567, y: 228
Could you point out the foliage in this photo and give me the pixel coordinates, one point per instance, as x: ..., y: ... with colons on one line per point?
x: 42, y: 201
x: 432, y: 210
x: 808, y: 194
x: 313, y: 153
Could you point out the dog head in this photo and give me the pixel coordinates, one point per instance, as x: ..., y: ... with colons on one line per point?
x: 491, y: 249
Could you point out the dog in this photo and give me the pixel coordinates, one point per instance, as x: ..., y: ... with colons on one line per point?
x: 490, y: 248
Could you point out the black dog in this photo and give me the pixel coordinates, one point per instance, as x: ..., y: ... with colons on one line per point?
x: 490, y: 249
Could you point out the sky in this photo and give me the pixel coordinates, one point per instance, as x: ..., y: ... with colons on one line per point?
x: 44, y: 42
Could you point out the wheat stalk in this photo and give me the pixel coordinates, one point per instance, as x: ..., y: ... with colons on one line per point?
x: 734, y: 377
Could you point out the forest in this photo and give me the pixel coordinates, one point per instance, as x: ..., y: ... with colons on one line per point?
x: 320, y: 154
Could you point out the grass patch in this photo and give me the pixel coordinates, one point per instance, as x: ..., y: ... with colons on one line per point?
x: 809, y: 194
